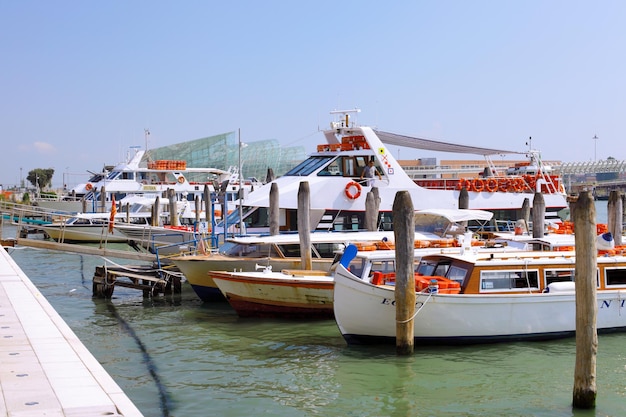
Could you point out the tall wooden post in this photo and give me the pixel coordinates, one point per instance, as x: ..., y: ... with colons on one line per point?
x: 404, y: 234
x: 198, y: 209
x: 464, y: 203
x: 156, y: 212
x: 171, y: 194
x: 208, y: 205
x: 274, y: 210
x: 372, y: 207
x: 539, y: 215
x: 586, y: 303
x: 615, y: 215
x: 526, y: 214
x: 103, y: 200
x: 304, y: 224
x: 269, y: 177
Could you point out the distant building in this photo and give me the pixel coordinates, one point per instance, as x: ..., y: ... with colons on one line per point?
x: 222, y: 151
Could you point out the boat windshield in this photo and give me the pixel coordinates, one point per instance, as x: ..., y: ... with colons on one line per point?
x: 309, y: 166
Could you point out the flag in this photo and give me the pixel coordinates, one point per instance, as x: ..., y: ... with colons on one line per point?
x: 113, y: 213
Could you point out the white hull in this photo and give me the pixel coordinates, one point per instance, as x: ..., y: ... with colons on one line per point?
x: 165, y: 240
x: 277, y: 294
x: 366, y: 313
x: 87, y: 233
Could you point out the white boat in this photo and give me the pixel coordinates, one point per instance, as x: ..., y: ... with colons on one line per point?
x: 88, y: 228
x: 338, y: 194
x: 282, y: 251
x: 135, y: 177
x: 477, y: 297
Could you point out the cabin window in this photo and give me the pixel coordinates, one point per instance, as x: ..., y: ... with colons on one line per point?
x: 457, y: 274
x: 509, y: 280
x: 308, y: 166
x: 426, y: 268
x: 334, y: 168
x: 252, y: 251
x: 615, y: 277
x: 328, y: 250
x: 558, y: 275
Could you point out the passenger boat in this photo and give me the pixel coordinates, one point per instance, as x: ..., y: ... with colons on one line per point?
x: 472, y: 296
x: 338, y: 194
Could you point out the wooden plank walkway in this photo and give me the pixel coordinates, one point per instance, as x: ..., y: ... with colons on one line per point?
x: 44, y: 367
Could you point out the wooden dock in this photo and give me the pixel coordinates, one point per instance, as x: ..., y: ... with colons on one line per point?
x: 46, y: 370
x: 149, y: 280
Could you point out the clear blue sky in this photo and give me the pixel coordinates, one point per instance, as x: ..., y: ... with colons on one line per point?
x: 81, y: 80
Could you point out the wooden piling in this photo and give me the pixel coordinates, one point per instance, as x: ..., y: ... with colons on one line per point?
x: 526, y: 214
x: 274, y: 210
x: 208, y: 204
x: 171, y: 195
x: 464, y: 203
x: 404, y: 234
x: 584, y: 395
x: 304, y: 224
x: 539, y: 215
x: 156, y: 211
x: 103, y: 200
x: 372, y: 207
x: 615, y: 215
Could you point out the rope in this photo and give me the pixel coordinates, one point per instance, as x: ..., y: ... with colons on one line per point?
x: 418, y: 310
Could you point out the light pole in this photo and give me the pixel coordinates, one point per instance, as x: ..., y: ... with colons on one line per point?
x: 595, y: 145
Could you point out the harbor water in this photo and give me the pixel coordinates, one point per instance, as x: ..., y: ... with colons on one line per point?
x: 177, y: 356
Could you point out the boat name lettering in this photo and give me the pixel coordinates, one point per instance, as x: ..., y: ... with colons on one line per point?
x: 607, y: 303
x: 149, y: 187
x: 392, y: 302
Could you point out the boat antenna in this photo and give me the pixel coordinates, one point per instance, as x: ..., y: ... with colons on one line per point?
x: 146, y: 135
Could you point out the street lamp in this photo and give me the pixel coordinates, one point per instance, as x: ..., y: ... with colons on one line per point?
x: 595, y: 145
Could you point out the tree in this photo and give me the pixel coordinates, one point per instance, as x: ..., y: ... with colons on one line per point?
x: 40, y: 177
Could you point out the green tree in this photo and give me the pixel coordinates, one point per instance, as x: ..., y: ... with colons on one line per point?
x: 40, y: 177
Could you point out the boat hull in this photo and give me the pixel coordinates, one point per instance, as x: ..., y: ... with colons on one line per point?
x: 196, y: 269
x: 86, y: 234
x: 277, y: 295
x: 366, y: 314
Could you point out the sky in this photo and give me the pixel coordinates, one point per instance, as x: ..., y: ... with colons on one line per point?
x: 80, y: 81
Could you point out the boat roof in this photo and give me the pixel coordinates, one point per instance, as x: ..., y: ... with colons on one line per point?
x: 321, y: 237
x: 453, y: 215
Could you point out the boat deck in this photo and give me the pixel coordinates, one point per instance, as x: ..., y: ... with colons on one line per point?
x: 44, y: 367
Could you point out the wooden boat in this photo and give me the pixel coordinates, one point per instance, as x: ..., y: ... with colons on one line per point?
x: 286, y: 294
x: 482, y: 297
x: 246, y: 253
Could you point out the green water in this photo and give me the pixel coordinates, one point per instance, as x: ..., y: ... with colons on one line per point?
x: 175, y: 356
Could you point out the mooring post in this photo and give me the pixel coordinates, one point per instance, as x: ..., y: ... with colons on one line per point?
x: 171, y: 194
x: 372, y: 207
x: 208, y: 216
x: 526, y: 214
x: 464, y: 203
x: 404, y: 235
x: 586, y: 304
x: 274, y: 211
x: 103, y: 200
x: 615, y: 213
x: 304, y: 224
x: 539, y: 216
x: 156, y: 211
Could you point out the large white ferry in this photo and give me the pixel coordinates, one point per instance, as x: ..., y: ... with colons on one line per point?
x: 338, y: 193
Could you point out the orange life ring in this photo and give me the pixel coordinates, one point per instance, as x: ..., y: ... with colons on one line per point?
x: 478, y: 185
x: 181, y: 179
x: 492, y: 185
x: 89, y: 187
x: 503, y: 185
x: 348, y: 190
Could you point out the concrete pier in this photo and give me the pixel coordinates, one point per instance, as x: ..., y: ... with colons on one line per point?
x: 44, y: 368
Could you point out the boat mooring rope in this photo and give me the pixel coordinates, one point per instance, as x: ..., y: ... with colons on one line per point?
x: 418, y: 310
